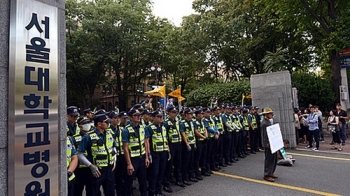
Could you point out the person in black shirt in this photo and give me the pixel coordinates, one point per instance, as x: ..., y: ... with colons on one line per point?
x: 343, y: 117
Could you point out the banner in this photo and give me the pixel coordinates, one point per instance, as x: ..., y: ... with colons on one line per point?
x: 181, y: 98
x: 176, y: 93
x: 160, y: 92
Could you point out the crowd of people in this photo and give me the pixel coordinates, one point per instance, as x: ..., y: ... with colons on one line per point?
x: 160, y: 148
x: 309, y: 126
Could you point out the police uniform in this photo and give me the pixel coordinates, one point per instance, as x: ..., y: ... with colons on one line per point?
x: 235, y: 152
x: 71, y: 152
x: 201, y: 142
x: 82, y: 173
x: 245, y: 132
x: 253, y: 134
x: 226, y: 121
x: 134, y: 136
x: 209, y: 124
x: 159, y: 149
x: 100, y: 147
x: 187, y: 128
x: 174, y: 141
x: 219, y: 143
x: 119, y: 171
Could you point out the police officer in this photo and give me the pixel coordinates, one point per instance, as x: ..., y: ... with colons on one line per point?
x: 201, y: 142
x: 146, y: 118
x: 159, y: 150
x: 187, y: 128
x: 258, y: 122
x: 101, y: 154
x: 219, y: 146
x: 226, y: 120
x: 82, y: 173
x: 174, y: 141
x: 88, y: 114
x: 236, y: 137
x: 72, y: 116
x: 245, y: 131
x: 147, y: 103
x: 72, y: 163
x: 213, y: 135
x: 119, y: 171
x: 253, y: 134
x: 136, y: 149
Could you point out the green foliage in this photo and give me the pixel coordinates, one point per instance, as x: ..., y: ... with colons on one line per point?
x: 314, y: 89
x: 224, y: 92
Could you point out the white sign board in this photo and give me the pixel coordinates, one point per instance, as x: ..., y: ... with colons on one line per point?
x: 275, y: 137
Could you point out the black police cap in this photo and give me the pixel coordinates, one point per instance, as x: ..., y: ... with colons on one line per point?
x: 72, y: 111
x: 112, y: 114
x: 134, y: 112
x: 101, y: 118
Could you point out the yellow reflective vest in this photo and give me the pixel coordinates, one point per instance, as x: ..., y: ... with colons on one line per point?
x: 189, y: 131
x: 136, y: 142
x: 159, y: 140
x: 102, y: 151
x: 77, y: 139
x: 200, y: 128
x: 173, y: 133
x: 245, y: 123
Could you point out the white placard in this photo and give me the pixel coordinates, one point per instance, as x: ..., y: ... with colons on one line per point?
x: 275, y: 137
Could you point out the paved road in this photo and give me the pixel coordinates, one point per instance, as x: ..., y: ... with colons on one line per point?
x: 314, y: 173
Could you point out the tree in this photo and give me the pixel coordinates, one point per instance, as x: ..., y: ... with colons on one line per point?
x: 325, y: 24
x: 225, y: 92
x: 241, y: 37
x: 313, y: 89
x: 122, y: 40
x: 85, y: 64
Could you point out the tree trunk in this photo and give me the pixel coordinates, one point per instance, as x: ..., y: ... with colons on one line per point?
x: 335, y: 75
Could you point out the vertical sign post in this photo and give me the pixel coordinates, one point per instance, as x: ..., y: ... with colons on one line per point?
x: 34, y: 155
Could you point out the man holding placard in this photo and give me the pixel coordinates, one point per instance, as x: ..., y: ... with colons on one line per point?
x: 270, y: 141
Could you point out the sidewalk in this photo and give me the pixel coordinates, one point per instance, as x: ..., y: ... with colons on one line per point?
x: 326, y: 147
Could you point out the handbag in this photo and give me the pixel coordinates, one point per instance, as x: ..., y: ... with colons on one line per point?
x: 331, y: 129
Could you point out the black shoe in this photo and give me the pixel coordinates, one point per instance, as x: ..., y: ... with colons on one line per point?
x: 160, y: 194
x: 233, y: 161
x: 199, y: 177
x: 187, y: 183
x: 252, y: 152
x: 246, y: 153
x: 206, y: 174
x: 223, y: 165
x: 168, y: 189
x: 180, y: 184
x: 241, y: 156
x: 193, y: 179
x: 228, y: 163
x: 215, y: 169
x: 210, y: 172
x: 236, y: 159
x: 171, y: 180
